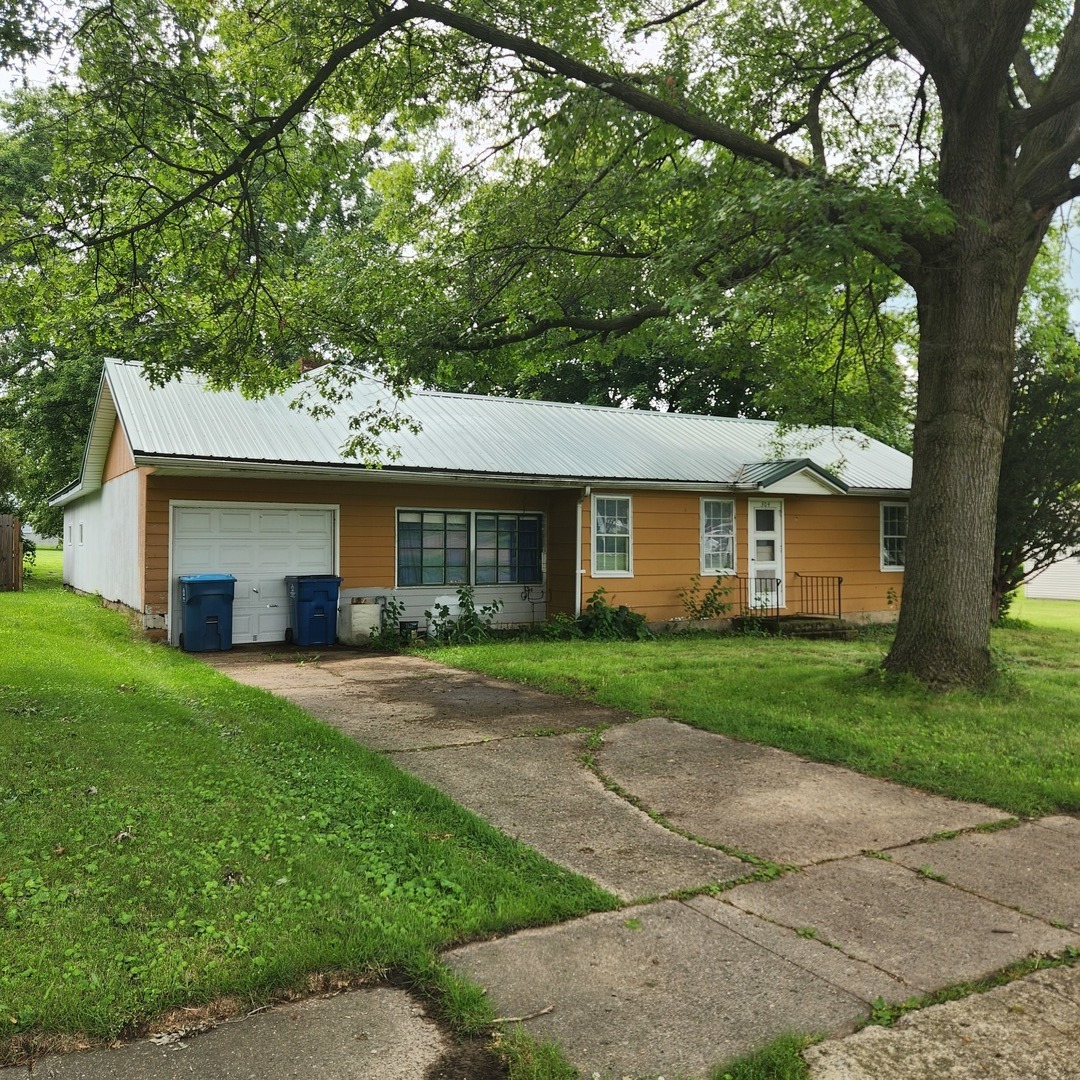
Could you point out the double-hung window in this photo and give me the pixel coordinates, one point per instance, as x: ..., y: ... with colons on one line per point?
x: 465, y: 547
x: 611, y: 536
x: 893, y: 535
x: 718, y: 536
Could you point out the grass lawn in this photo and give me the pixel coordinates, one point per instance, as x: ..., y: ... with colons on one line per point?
x: 1062, y: 614
x: 1017, y: 747
x: 168, y: 837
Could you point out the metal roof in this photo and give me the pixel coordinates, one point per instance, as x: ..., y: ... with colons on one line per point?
x: 489, y: 437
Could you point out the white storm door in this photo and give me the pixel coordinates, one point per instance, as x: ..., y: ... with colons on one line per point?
x: 260, y: 546
x: 765, y: 524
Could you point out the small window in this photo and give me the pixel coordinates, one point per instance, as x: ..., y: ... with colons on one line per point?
x: 433, y: 547
x: 80, y: 533
x: 893, y: 535
x: 718, y: 536
x: 611, y: 536
x: 508, y: 548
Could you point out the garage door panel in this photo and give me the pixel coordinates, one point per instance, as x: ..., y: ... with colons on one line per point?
x: 310, y: 523
x: 237, y: 521
x: 275, y: 521
x: 190, y: 520
x: 259, y: 546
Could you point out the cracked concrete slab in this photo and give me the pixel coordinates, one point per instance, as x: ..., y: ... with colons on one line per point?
x: 1034, y: 867
x: 659, y: 989
x: 406, y: 702
x: 769, y: 802
x: 378, y: 1033
x: 853, y: 976
x: 535, y: 790
x: 1029, y: 1028
x: 923, y: 932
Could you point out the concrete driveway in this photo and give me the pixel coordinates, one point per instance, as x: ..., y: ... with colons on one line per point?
x: 764, y: 893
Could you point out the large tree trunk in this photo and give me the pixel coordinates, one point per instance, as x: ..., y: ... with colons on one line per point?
x: 967, y: 315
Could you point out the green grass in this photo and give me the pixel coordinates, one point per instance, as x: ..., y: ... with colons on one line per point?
x: 168, y: 837
x: 1017, y: 747
x: 1059, y: 614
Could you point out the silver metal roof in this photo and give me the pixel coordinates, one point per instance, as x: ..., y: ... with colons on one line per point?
x: 488, y: 437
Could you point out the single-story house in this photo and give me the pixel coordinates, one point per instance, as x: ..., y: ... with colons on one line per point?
x: 1059, y: 581
x: 535, y: 503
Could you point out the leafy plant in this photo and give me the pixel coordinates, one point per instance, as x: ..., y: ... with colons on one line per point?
x: 602, y: 621
x: 470, y: 626
x: 561, y: 627
x: 712, y: 605
x: 388, y: 634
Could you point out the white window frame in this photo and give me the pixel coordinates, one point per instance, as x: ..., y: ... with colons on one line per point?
x: 711, y: 571
x: 629, y: 571
x: 889, y: 568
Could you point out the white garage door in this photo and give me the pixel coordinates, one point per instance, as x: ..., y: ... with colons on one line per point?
x: 259, y: 546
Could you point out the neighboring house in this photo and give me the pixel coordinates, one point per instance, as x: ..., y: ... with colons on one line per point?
x: 1059, y: 581
x: 537, y: 504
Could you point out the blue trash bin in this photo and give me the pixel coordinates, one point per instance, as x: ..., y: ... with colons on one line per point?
x: 206, y: 601
x: 313, y: 600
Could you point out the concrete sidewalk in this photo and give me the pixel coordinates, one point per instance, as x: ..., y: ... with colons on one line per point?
x: 861, y: 903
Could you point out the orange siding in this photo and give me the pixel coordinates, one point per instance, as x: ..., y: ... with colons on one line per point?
x: 367, y: 522
x: 824, y: 534
x: 118, y: 460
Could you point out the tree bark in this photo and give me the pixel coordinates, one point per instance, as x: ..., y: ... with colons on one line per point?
x: 968, y: 290
x: 967, y: 320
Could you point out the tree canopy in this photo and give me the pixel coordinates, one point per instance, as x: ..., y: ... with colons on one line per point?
x: 585, y: 183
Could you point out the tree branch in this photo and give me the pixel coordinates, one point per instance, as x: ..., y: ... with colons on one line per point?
x: 678, y: 13
x: 693, y: 124
x: 593, y: 327
x: 1026, y: 76
x: 275, y: 128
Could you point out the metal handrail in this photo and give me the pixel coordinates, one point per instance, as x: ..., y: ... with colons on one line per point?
x: 759, y: 597
x: 820, y: 594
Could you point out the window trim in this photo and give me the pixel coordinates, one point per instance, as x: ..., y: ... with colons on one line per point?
x: 707, y: 571
x: 472, y: 513
x: 595, y: 535
x: 891, y: 568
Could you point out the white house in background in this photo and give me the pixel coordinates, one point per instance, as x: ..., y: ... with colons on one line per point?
x: 1059, y: 581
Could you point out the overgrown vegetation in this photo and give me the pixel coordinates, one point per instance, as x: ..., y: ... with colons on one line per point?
x: 1016, y: 746
x: 712, y: 604
x: 469, y: 626
x: 168, y: 837
x: 603, y: 621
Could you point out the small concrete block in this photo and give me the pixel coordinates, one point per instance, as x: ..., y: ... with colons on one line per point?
x: 1028, y: 1029
x: 371, y: 1034
x: 535, y: 790
x: 655, y: 990
x: 923, y: 932
x: 768, y: 802
x: 1034, y: 867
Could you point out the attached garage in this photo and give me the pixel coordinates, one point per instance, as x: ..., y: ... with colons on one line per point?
x: 259, y: 544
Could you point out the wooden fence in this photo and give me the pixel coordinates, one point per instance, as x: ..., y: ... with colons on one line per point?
x: 11, y: 556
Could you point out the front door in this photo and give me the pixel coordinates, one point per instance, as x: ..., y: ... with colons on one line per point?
x: 766, y: 548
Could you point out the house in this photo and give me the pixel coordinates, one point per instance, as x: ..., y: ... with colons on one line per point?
x: 535, y: 503
x: 1059, y: 581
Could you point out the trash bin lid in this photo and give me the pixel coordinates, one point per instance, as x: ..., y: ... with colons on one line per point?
x: 206, y: 577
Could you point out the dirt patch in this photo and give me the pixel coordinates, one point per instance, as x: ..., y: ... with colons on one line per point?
x: 470, y: 1060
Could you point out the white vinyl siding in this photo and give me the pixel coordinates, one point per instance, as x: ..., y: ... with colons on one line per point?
x: 104, y: 557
